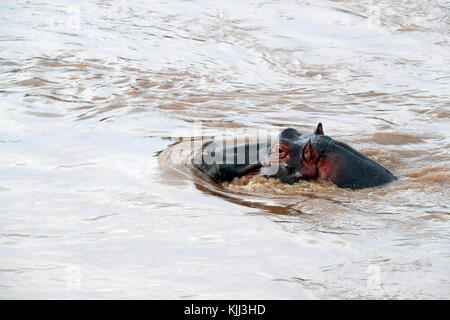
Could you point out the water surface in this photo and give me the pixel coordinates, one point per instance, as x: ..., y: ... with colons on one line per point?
x: 97, y: 198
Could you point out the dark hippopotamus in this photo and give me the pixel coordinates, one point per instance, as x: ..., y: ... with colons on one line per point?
x: 294, y: 157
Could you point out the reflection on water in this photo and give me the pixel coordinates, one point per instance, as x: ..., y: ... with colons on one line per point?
x: 98, y: 197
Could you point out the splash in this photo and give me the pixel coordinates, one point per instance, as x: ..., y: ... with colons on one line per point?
x: 262, y: 185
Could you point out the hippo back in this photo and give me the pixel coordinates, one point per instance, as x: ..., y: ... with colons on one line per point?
x: 353, y: 169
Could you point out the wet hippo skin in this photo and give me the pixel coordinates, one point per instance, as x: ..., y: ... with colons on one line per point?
x: 296, y: 157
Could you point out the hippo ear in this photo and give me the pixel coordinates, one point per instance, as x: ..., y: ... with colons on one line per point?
x: 310, y: 153
x: 319, y: 129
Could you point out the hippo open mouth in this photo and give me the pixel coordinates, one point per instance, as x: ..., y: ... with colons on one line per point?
x: 293, y: 157
x: 224, y: 164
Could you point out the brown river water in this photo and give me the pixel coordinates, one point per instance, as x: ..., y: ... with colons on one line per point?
x: 99, y: 104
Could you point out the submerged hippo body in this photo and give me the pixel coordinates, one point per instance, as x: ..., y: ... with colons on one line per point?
x: 294, y: 157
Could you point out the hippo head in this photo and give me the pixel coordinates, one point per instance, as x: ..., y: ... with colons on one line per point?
x: 294, y: 156
x: 290, y: 159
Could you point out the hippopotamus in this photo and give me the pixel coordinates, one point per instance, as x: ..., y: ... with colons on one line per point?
x: 293, y: 157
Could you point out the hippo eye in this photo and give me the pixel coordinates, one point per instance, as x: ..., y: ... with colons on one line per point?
x: 280, y: 151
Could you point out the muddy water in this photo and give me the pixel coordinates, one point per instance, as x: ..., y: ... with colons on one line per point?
x: 98, y: 199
